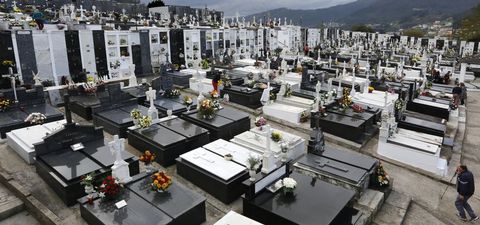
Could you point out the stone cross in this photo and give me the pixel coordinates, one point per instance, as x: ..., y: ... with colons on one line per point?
x: 72, y: 12
x: 120, y: 168
x: 82, y: 12
x: 268, y: 159
x: 117, y: 146
x: 151, y: 95
x: 36, y: 78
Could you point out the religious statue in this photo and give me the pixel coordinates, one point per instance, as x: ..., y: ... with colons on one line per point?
x: 268, y: 158
x: 120, y: 168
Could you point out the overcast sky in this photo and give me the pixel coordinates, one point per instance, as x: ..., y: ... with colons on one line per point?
x: 248, y: 7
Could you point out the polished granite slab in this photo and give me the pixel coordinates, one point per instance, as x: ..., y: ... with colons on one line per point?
x: 69, y: 164
x: 225, y: 125
x: 179, y: 205
x: 334, y: 168
x: 314, y: 202
x: 249, y: 97
x: 169, y: 139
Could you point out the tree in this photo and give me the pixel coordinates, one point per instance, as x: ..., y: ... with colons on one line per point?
x: 470, y: 26
x: 156, y: 3
x: 362, y: 28
x: 414, y: 32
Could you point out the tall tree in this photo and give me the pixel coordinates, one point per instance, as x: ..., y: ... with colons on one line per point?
x: 470, y: 26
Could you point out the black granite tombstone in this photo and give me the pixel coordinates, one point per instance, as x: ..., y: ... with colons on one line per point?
x: 146, y: 62
x: 29, y: 101
x: 313, y: 202
x: 62, y: 167
x: 178, y: 206
x: 100, y: 52
x: 6, y: 51
x: 74, y: 56
x: 26, y: 55
x: 177, y: 47
x: 225, y: 125
x: 169, y: 139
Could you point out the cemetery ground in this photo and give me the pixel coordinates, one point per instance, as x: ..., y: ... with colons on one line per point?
x: 414, y: 201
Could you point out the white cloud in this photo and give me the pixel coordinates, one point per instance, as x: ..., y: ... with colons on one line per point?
x: 248, y: 7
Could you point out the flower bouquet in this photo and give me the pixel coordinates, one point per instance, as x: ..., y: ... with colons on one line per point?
x: 36, y: 118
x: 148, y: 158
x: 304, y: 117
x: 88, y: 183
x: 370, y: 89
x: 357, y: 108
x: 383, y: 179
x: 171, y: 93
x: 145, y: 121
x: 161, y: 182
x: 136, y: 115
x: 187, y: 100
x: 110, y: 188
x: 260, y: 122
x: 253, y: 163
x: 288, y: 91
x: 276, y: 136
x: 289, y: 185
x: 5, y: 104
x: 214, y: 94
x: 207, y: 109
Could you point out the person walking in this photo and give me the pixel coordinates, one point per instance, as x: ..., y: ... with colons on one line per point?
x: 456, y: 91
x: 465, y: 189
x: 463, y: 96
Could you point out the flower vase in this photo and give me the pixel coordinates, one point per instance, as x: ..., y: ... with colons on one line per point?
x: 188, y: 108
x: 149, y: 168
x: 136, y: 122
x: 370, y: 91
x: 252, y: 174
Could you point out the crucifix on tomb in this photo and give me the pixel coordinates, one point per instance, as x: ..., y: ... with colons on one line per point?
x: 316, y: 144
x: 268, y: 159
x: 120, y: 168
x: 13, y: 77
x: 151, y: 95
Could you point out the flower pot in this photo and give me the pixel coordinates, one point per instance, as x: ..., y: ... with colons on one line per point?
x: 370, y: 91
x: 252, y: 174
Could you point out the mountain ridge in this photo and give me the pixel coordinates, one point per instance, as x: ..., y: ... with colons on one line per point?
x: 400, y: 13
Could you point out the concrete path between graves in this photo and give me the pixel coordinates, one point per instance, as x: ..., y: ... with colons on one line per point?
x: 427, y: 207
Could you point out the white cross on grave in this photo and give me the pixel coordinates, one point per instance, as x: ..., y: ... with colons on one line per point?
x: 120, y: 168
x: 268, y: 159
x: 151, y: 95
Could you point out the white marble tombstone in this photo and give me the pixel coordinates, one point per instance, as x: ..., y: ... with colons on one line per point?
x: 151, y: 95
x: 120, y: 168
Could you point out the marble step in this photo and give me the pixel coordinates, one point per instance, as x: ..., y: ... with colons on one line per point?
x: 22, y: 217
x: 9, y: 204
x: 394, y: 211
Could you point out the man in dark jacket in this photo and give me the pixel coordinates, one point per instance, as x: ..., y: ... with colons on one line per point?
x: 465, y: 189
